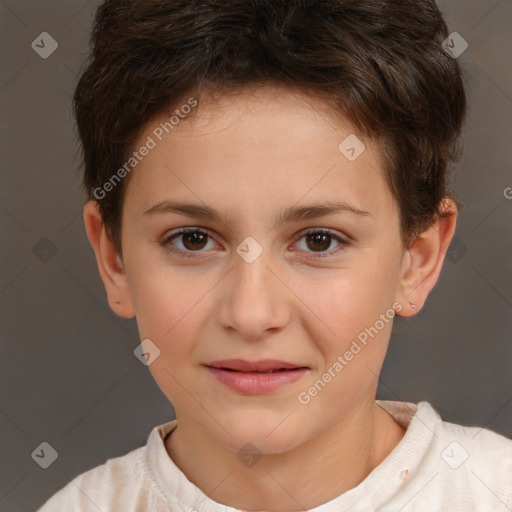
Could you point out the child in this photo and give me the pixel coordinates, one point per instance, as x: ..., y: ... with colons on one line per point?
x: 267, y: 188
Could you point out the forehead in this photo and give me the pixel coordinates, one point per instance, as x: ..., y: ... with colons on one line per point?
x: 256, y: 150
x: 268, y: 104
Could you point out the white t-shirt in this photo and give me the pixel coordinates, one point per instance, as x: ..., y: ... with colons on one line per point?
x: 436, y: 467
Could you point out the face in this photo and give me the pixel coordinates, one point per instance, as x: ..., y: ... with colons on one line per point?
x: 257, y: 282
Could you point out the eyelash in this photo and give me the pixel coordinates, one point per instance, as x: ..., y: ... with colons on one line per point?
x: 165, y: 243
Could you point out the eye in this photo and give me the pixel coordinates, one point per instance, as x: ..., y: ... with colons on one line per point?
x: 320, y: 240
x: 194, y: 240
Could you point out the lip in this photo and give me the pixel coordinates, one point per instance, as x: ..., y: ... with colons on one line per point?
x: 263, y: 365
x: 247, y: 377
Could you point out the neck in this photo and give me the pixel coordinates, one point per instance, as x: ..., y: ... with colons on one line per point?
x: 313, y: 473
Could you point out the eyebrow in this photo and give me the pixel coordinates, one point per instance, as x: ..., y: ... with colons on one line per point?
x: 291, y: 214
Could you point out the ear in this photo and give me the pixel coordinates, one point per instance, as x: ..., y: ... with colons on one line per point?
x: 109, y: 262
x: 423, y: 261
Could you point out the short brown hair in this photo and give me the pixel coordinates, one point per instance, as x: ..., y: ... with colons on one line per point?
x: 378, y: 63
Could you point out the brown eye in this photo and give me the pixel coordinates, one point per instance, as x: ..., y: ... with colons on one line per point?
x: 194, y: 241
x: 320, y: 240
x: 187, y: 241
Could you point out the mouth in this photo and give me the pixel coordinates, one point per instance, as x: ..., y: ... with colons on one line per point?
x: 256, y: 377
x: 268, y: 371
x: 264, y: 366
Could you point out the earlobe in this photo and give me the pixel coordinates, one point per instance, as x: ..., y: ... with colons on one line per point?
x: 423, y: 261
x: 109, y: 262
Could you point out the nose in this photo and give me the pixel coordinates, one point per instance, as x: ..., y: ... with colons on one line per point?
x: 253, y: 299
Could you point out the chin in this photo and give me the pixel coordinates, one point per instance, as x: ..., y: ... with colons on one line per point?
x: 271, y: 436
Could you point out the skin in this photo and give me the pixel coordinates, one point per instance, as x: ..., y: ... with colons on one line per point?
x: 250, y: 156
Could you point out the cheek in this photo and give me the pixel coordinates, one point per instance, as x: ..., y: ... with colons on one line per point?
x: 171, y: 307
x: 350, y: 299
x: 347, y: 324
x: 349, y: 336
x: 167, y: 299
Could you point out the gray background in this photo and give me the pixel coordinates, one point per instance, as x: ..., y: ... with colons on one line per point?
x: 68, y: 375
